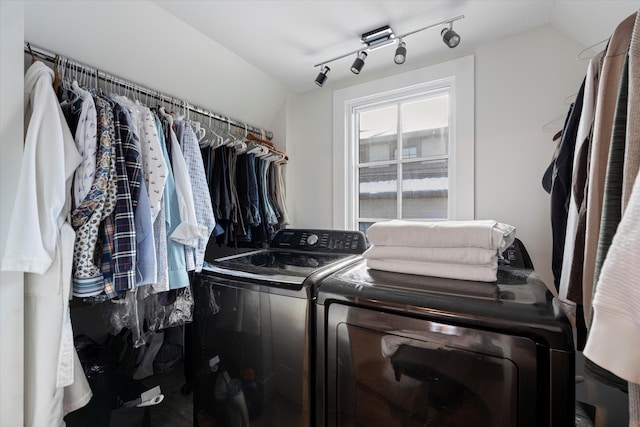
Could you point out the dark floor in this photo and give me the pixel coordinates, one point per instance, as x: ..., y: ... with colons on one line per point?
x: 176, y: 410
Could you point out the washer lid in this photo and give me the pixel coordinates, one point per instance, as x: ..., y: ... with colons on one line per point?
x: 290, y: 267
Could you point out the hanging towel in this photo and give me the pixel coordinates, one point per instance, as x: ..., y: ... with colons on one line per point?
x: 480, y: 273
x: 486, y: 234
x: 469, y: 256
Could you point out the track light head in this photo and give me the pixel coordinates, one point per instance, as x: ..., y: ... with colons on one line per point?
x: 450, y: 37
x: 322, y: 75
x: 358, y: 63
x: 401, y: 53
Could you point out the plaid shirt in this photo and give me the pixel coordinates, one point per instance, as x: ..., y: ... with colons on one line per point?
x: 123, y: 257
x: 201, y: 197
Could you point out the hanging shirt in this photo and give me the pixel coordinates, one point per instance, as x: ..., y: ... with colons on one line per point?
x: 86, y: 142
x: 40, y: 243
x: 561, y: 187
x: 604, y: 115
x: 154, y: 165
x: 577, y: 191
x: 236, y: 217
x: 177, y: 271
x: 154, y: 169
x: 279, y: 191
x: 89, y: 213
x: 263, y: 167
x: 614, y: 337
x: 252, y: 185
x: 241, y: 179
x: 107, y: 225
x: 188, y: 232
x: 145, y: 246
x: 201, y: 197
x: 123, y: 256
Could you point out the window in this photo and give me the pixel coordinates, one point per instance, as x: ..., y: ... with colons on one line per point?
x: 403, y: 147
x: 414, y: 184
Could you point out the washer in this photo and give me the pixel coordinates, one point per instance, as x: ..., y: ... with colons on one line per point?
x: 254, y: 325
x: 405, y: 350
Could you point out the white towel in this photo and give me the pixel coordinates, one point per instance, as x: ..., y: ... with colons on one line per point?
x: 480, y: 273
x: 486, y: 234
x: 469, y: 256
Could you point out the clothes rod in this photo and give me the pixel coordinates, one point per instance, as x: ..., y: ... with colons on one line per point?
x: 92, y: 72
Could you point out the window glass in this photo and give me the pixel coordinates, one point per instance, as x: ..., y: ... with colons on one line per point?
x: 425, y: 127
x: 378, y: 192
x: 403, y: 158
x: 425, y: 189
x: 378, y: 134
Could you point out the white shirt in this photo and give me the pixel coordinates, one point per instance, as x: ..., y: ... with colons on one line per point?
x: 154, y: 168
x: 40, y: 243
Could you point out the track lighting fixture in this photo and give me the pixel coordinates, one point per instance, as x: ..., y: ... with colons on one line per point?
x: 322, y: 76
x: 384, y: 36
x: 358, y: 63
x: 401, y: 53
x: 450, y: 37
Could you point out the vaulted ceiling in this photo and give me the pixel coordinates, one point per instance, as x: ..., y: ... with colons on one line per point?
x: 286, y: 38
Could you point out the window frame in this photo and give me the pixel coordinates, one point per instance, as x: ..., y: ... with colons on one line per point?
x: 458, y: 74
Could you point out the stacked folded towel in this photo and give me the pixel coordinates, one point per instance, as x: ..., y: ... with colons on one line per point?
x: 465, y: 250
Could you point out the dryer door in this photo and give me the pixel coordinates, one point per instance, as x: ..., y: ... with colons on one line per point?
x: 390, y: 370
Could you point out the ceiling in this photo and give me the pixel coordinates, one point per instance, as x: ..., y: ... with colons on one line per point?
x: 286, y: 38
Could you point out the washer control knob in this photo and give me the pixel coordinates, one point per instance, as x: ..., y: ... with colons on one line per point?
x: 312, y: 239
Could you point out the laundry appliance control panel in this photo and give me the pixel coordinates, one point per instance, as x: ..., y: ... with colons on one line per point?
x: 341, y: 241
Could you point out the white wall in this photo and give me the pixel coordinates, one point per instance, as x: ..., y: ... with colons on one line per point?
x: 521, y: 84
x: 11, y: 283
x: 141, y: 42
x: 309, y: 174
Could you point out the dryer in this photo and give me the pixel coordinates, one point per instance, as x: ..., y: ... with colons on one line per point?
x: 405, y: 350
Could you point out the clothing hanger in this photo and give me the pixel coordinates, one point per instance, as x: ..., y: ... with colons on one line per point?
x: 179, y: 111
x: 56, y: 73
x: 206, y: 141
x: 259, y: 150
x: 252, y: 137
x: 240, y: 146
x: 553, y: 124
x: 254, y: 147
x: 98, y: 88
x: 230, y: 140
x: 69, y: 82
x: 214, y: 139
x: 569, y: 99
x: 581, y: 56
x: 33, y: 56
x: 164, y: 113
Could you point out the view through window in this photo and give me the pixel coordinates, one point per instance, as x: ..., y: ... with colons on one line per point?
x: 402, y: 158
